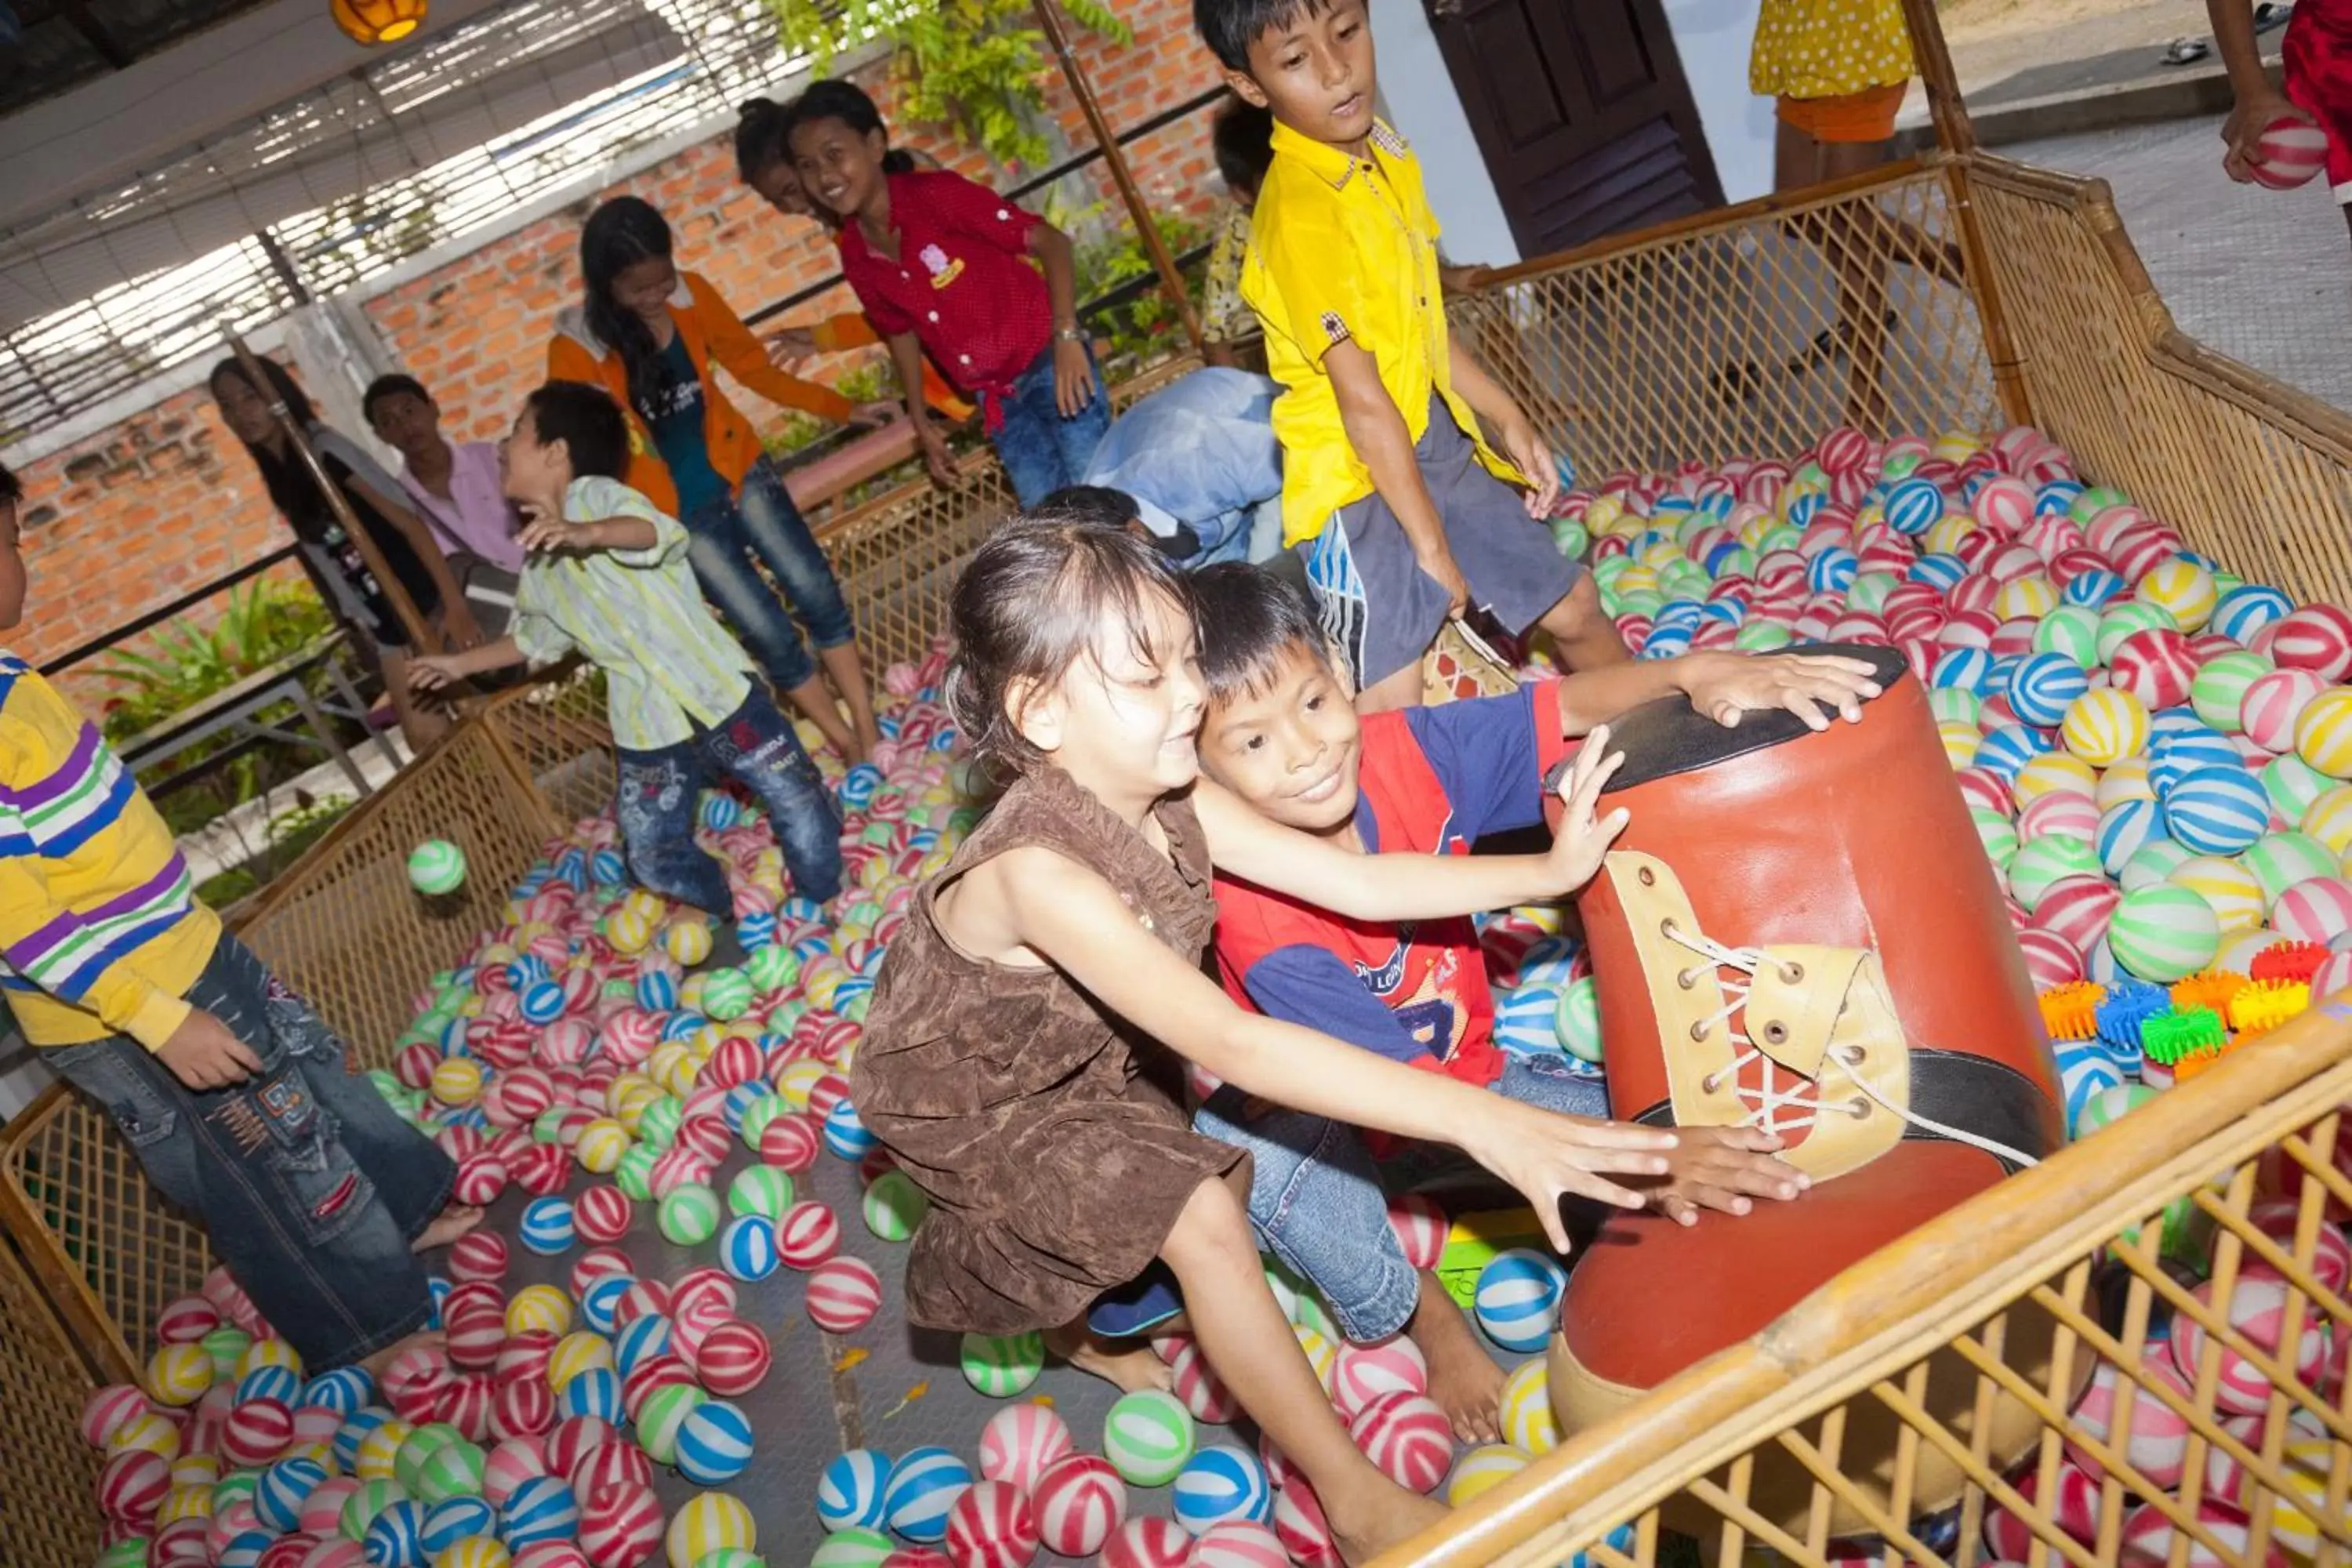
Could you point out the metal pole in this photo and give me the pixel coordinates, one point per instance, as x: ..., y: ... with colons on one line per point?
x: 402, y: 607
x: 1171, y: 281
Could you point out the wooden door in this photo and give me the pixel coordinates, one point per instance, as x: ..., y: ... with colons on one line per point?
x: 1582, y: 112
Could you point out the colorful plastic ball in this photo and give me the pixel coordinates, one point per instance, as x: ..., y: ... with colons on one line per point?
x: 747, y: 1248
x: 992, y: 1525
x: 448, y: 1523
x: 392, y: 1538
x: 547, y: 1227
x: 807, y: 1235
x: 853, y: 1489
x: 713, y: 1444
x: 2225, y: 884
x: 923, y: 1487
x: 844, y: 1294
x: 858, y: 1547
x: 1529, y: 1423
x: 2323, y: 733
x: 2216, y: 811
x: 2317, y: 910
x: 1148, y: 1436
x: 1219, y: 1483
x: 453, y: 1470
x: 1147, y: 1544
x: 1003, y: 1365
x: 1408, y: 1436
x: 1020, y: 1442
x: 688, y: 942
x: 2044, y: 687
x: 473, y: 1552
x: 436, y: 866
x: 1480, y: 1471
x: 894, y: 1206
x: 2104, y: 726
x: 621, y: 1526
x: 1079, y: 1501
x: 178, y: 1375
x: 1421, y: 1228
x: 845, y: 1134
x: 2163, y: 932
x: 132, y: 1488
x: 1518, y: 1301
x: 688, y: 1215
x: 540, y: 1508
x: 760, y: 1190
x: 595, y: 1392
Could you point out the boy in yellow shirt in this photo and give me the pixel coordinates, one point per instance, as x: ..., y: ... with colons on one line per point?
x: 1412, y: 515
x: 230, y: 1091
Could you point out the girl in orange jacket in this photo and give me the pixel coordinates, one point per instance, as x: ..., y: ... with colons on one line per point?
x: 649, y: 334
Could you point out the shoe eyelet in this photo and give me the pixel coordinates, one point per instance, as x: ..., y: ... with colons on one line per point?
x: 1792, y: 974
x: 1698, y: 1032
x: 1710, y: 1083
x: 1777, y: 1032
x: 1646, y: 877
x: 1686, y: 978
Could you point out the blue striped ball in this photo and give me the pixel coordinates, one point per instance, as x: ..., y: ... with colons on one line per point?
x: 1518, y: 1302
x: 595, y: 1392
x: 1938, y: 571
x: 720, y: 811
x: 924, y: 1485
x: 1526, y: 1020
x: 546, y: 1228
x: 714, y: 1444
x: 1730, y: 612
x: 2007, y: 750
x: 1803, y: 508
x: 850, y: 1493
x: 1962, y: 669
x: 284, y: 1487
x: 2093, y: 588
x: 656, y: 992
x: 607, y: 869
x: 1832, y: 570
x: 528, y: 971
x: 756, y: 930
x: 2246, y: 609
x: 682, y: 1026
x: 858, y: 785
x: 354, y: 1432
x: 2179, y: 746
x: 393, y: 1538
x: 571, y: 867
x: 2043, y: 686
x: 2086, y: 1072
x: 282, y: 1383
x: 1682, y: 612
x: 1220, y: 1483
x: 645, y: 1335
x: 747, y: 1247
x: 801, y: 909
x: 343, y: 1391
x: 539, y: 1509
x: 2124, y: 828
x: 447, y: 1524
x: 600, y: 1304
x: 543, y: 1003
x: 2217, y: 811
x: 845, y: 1134
x: 453, y: 1037
x: 1665, y: 642
x: 1915, y: 506
x: 2054, y: 499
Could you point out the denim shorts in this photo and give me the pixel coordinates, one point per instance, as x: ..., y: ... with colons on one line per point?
x: 310, y: 1186
x: 1320, y: 1203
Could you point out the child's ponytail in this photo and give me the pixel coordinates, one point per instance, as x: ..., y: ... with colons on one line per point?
x: 763, y: 130
x: 837, y: 98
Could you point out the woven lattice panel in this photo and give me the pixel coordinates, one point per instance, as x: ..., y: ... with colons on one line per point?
x: 897, y: 557
x: 1743, y: 336
x: 2196, y: 440
x: 557, y: 731
x: 107, y: 1251
x: 343, y: 926
x: 47, y: 1472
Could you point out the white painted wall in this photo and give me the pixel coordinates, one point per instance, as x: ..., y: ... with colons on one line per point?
x: 1713, y: 39
x: 1419, y: 100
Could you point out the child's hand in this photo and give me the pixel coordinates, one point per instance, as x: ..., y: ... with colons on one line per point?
x: 1582, y: 841
x: 874, y: 416
x: 464, y: 631
x: 1721, y: 1168
x: 937, y: 459
x: 2251, y: 116
x: 1439, y: 567
x: 1545, y: 1154
x: 203, y: 1054
x: 788, y: 348
x: 546, y: 532
x: 1725, y: 686
x: 1074, y: 378
x: 1532, y: 456
x: 431, y: 673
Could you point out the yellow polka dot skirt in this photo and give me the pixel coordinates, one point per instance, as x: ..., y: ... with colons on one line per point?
x: 1828, y: 48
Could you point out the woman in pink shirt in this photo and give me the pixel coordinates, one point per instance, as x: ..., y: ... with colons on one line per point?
x: 459, y: 492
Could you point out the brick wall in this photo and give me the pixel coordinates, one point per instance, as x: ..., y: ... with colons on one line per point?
x: 134, y: 517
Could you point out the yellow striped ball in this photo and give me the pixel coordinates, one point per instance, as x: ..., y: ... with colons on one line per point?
x: 2323, y: 736
x: 796, y: 1078
x: 146, y: 1433
x: 458, y: 1080
x: 539, y: 1308
x: 1529, y: 1423
x: 2104, y: 726
x: 268, y: 1353
x: 473, y: 1552
x: 577, y: 1352
x: 1960, y: 742
x: 2123, y: 781
x: 602, y: 1143
x: 1481, y: 1471
x: 2053, y: 773
x: 1942, y: 537
x: 686, y: 941
x: 378, y: 1450
x: 2028, y: 597
x: 2233, y: 893
x: 2329, y: 819
x: 179, y: 1375
x: 185, y: 1502
x: 1321, y: 1354
x: 630, y: 930
x: 2181, y: 589
x: 710, y: 1521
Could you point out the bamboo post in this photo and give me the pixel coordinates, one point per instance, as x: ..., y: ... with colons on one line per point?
x: 1164, y: 264
x: 1934, y: 58
x: 420, y: 636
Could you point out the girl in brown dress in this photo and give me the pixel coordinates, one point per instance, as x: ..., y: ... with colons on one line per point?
x: 999, y: 1062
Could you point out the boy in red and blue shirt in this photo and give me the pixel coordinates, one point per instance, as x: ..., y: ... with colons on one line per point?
x: 1280, y: 731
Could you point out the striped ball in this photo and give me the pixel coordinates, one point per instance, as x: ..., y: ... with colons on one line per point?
x: 178, y: 1375
x: 2316, y: 910
x: 747, y: 1248
x: 2218, y: 695
x: 2316, y: 637
x: 2323, y: 733
x: 2154, y: 862
x: 662, y: 1414
x: 547, y: 1227
x: 1408, y: 1436
x: 1219, y: 1483
x: 2272, y: 704
x: 391, y: 1537
x: 1240, y: 1543
x: 1020, y: 1442
x: 1529, y: 1423
x: 2046, y: 862
x: 922, y: 1491
x: 446, y: 1523
x: 1079, y: 1501
x: 540, y: 1309
x: 595, y: 1392
x: 2043, y: 686
x: 732, y: 1358
x: 708, y: 1522
x: 2155, y: 665
x: 893, y: 1207
x: 2293, y: 785
x: 2163, y: 932
x: 2085, y: 1072
x: 1962, y: 669
x: 2279, y: 860
x: 763, y: 1191
x: 1518, y: 1301
x: 807, y: 1235
x: 713, y: 1443
x: 2124, y: 830
x: 1003, y: 1365
x: 278, y: 1497
x: 1421, y: 1228
x: 2246, y: 609
x: 540, y: 1508
x: 852, y: 1490
x: 2217, y: 810
x: 1481, y: 1471
x: 2183, y: 590
x: 1914, y: 507
x: 2005, y: 751
x: 845, y: 1134
x: 688, y: 1215
x: 856, y: 1547
x: 621, y: 1525
x: 1395, y: 1365
x: 2104, y: 726
x: 843, y: 1295
x: 1148, y: 1436
x: 992, y: 1525
x: 2227, y: 887
x: 1147, y: 1544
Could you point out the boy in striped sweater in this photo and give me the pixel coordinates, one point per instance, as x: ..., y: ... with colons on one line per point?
x: 231, y: 1092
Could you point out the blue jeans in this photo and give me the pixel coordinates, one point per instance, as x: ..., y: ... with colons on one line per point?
x: 1042, y: 452
x: 660, y: 789
x: 311, y: 1186
x: 728, y: 542
x: 1317, y: 1200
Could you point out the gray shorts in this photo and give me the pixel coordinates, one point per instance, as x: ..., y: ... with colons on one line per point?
x: 1378, y: 603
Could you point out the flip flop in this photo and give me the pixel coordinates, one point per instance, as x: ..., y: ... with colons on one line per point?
x: 2185, y: 52
x: 2268, y: 15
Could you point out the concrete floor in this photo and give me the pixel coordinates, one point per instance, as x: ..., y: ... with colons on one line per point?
x: 2263, y: 276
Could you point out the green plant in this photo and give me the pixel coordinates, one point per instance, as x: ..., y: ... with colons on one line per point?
x: 1110, y: 253
x: 870, y: 380
x: 287, y: 836
x: 977, y: 65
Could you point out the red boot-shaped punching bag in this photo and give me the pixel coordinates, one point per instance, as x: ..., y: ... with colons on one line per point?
x: 1800, y: 931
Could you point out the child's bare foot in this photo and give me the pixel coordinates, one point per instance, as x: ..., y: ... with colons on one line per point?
x: 447, y: 1227
x: 1463, y: 1378
x: 867, y: 736
x: 1132, y: 1371
x: 1380, y: 1519
x: 427, y: 1338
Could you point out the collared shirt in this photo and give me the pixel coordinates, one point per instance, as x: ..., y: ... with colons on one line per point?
x: 1344, y: 250
x: 637, y: 616
x: 100, y: 931
x: 961, y: 281
x: 476, y: 517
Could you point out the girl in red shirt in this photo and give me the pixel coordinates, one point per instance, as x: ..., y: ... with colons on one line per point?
x: 941, y: 266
